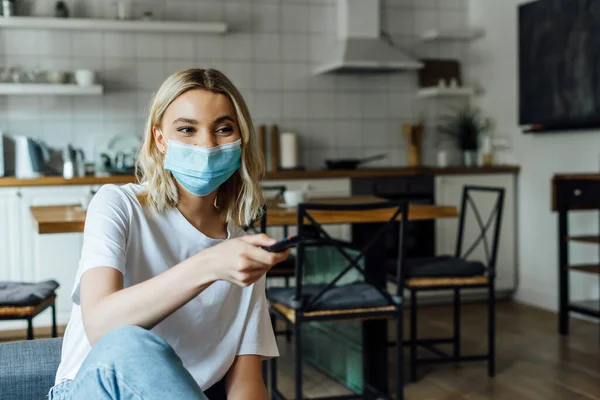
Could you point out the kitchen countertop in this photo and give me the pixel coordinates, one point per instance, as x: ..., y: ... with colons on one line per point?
x: 309, y: 174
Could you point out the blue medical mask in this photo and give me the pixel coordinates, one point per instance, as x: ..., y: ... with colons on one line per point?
x: 201, y: 170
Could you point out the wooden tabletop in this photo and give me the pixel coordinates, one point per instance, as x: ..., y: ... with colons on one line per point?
x: 278, y: 215
x: 71, y: 218
x: 582, y: 176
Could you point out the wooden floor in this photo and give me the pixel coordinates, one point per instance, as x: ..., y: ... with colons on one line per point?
x: 533, y: 361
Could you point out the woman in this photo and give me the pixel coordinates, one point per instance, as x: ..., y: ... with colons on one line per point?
x: 169, y: 297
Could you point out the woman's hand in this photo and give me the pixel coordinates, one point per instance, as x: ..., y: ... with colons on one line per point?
x: 242, y: 261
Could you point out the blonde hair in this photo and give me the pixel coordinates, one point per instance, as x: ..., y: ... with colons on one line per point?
x: 239, y: 199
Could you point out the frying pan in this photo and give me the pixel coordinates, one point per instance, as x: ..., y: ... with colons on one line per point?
x: 352, y: 163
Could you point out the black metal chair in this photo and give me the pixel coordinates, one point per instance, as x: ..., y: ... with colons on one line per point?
x: 329, y: 301
x: 286, y: 268
x: 457, y: 273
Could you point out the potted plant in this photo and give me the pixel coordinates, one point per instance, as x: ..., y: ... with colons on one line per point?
x: 464, y: 128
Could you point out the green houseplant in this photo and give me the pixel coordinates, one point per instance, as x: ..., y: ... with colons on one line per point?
x: 464, y: 128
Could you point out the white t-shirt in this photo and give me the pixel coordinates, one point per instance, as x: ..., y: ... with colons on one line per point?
x: 206, y: 333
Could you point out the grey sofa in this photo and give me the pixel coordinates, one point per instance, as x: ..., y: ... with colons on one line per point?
x: 28, y: 368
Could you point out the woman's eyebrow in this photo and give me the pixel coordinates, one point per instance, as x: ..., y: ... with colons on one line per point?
x: 186, y: 121
x: 223, y: 119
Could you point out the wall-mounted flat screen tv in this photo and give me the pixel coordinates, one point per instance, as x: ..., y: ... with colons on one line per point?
x: 559, y: 65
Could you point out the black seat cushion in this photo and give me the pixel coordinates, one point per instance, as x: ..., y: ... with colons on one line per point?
x: 26, y: 294
x: 346, y: 297
x: 443, y: 267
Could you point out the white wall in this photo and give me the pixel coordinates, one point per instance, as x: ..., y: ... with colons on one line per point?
x: 269, y: 56
x: 494, y: 62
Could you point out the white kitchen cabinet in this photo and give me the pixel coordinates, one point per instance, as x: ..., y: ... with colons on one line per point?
x: 50, y: 256
x: 449, y: 190
x: 9, y: 235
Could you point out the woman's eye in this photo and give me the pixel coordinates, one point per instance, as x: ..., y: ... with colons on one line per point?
x: 186, y: 129
x: 225, y: 129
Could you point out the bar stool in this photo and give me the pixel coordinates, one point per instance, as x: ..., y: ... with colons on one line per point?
x: 19, y: 300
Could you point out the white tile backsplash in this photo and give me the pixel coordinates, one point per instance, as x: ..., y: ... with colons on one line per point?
x: 266, y: 47
x: 294, y: 17
x: 267, y: 76
x: 238, y: 46
x: 150, y: 45
x: 118, y: 45
x: 294, y: 47
x: 53, y: 43
x: 270, y: 52
x: 295, y: 76
x: 88, y: 44
x: 209, y: 48
x: 180, y: 47
x: 19, y: 42
x: 265, y: 18
x: 295, y: 105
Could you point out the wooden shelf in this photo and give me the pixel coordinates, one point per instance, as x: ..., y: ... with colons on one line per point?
x: 49, y: 89
x: 588, y: 307
x: 89, y: 24
x: 594, y: 239
x: 589, y: 268
x: 446, y: 92
x: 452, y: 35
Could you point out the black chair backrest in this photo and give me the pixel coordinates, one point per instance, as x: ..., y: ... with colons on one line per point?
x: 259, y: 225
x: 494, y: 219
x: 308, y: 221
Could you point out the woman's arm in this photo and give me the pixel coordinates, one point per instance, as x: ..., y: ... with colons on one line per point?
x: 244, y: 379
x: 107, y: 305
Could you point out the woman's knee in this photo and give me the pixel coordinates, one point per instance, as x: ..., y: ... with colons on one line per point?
x: 128, y: 344
x: 130, y: 339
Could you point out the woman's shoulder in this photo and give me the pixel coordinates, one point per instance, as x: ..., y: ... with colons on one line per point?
x: 122, y: 197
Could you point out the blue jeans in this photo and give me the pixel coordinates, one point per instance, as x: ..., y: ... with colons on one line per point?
x: 130, y: 363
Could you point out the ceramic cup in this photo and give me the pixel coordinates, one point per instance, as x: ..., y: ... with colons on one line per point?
x: 85, y: 77
x: 293, y: 197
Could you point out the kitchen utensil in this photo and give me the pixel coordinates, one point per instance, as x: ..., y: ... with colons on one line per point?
x: 413, y: 135
x: 79, y: 163
x: 85, y: 77
x: 56, y: 77
x: 294, y: 197
x: 123, y: 9
x: 288, y: 150
x: 352, y: 163
x: 274, y: 148
x: 32, y: 157
x: 442, y: 158
x: 68, y: 163
x: 9, y: 8
x: 61, y: 10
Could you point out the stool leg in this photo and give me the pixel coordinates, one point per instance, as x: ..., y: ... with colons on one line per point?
x: 298, y: 369
x: 491, y: 332
x: 456, y: 324
x: 413, y: 335
x: 400, y: 357
x: 54, y: 330
x: 29, y: 329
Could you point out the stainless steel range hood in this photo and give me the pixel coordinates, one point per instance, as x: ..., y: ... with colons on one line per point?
x: 359, y: 47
